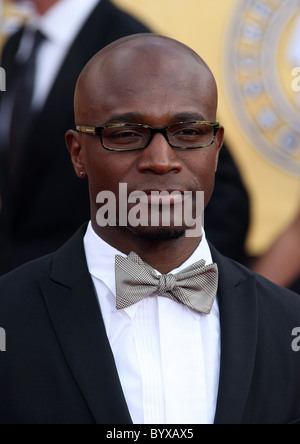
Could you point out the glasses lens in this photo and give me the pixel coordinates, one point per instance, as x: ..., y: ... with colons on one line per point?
x: 125, y: 137
x: 190, y: 135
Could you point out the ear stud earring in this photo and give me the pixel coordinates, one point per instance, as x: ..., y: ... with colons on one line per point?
x: 82, y: 173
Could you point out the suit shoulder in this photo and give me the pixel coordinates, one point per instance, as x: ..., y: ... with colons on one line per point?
x: 234, y: 273
x: 267, y: 291
x: 24, y: 277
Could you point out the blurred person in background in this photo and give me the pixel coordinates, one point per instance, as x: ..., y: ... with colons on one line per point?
x: 281, y: 264
x: 228, y: 214
x: 41, y: 203
x: 39, y: 213
x: 12, y: 16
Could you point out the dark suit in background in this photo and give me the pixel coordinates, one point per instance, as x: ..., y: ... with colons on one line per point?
x: 227, y: 216
x: 59, y: 367
x: 46, y: 202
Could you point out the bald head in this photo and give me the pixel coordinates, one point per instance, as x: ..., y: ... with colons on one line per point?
x: 142, y: 43
x: 147, y: 60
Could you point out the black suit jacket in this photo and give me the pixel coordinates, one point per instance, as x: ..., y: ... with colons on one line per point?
x: 47, y: 202
x: 59, y: 368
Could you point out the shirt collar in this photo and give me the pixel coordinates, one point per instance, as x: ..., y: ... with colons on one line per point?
x: 101, y: 257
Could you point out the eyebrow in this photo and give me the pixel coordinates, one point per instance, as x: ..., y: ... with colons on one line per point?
x: 185, y: 116
x: 135, y: 117
x: 125, y: 118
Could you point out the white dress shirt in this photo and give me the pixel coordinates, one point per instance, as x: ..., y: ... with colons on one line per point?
x: 60, y: 26
x: 167, y: 355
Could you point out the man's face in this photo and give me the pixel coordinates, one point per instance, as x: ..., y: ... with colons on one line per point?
x: 154, y: 86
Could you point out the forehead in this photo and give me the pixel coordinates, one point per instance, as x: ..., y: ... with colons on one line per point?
x: 154, y: 80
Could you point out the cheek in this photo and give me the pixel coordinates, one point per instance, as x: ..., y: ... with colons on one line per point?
x: 105, y: 171
x: 203, y: 168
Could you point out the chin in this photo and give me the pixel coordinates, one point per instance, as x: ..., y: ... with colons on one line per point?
x: 159, y: 234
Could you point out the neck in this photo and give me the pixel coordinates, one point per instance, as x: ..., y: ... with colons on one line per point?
x: 163, y: 255
x: 43, y: 6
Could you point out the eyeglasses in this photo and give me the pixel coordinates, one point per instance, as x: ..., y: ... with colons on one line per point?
x: 135, y: 136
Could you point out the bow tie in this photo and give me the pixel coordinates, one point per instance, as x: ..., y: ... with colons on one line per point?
x: 195, y: 287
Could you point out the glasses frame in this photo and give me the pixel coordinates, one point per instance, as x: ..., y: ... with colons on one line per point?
x: 98, y: 131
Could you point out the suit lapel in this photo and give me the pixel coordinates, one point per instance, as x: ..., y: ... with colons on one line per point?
x: 239, y: 328
x: 74, y: 311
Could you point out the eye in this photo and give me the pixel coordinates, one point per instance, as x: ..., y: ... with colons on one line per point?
x: 124, y: 134
x: 188, y: 132
x: 124, y: 137
x: 191, y: 134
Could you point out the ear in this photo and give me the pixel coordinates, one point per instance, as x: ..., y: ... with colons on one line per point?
x: 219, y: 143
x: 73, y: 141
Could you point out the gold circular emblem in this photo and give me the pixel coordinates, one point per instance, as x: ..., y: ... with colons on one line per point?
x: 262, y: 77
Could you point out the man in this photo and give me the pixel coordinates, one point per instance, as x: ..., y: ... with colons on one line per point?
x: 83, y: 343
x: 38, y: 213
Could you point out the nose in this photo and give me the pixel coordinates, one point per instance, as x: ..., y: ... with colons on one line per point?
x: 159, y: 157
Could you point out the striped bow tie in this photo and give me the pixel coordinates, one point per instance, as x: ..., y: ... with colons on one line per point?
x: 196, y: 286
